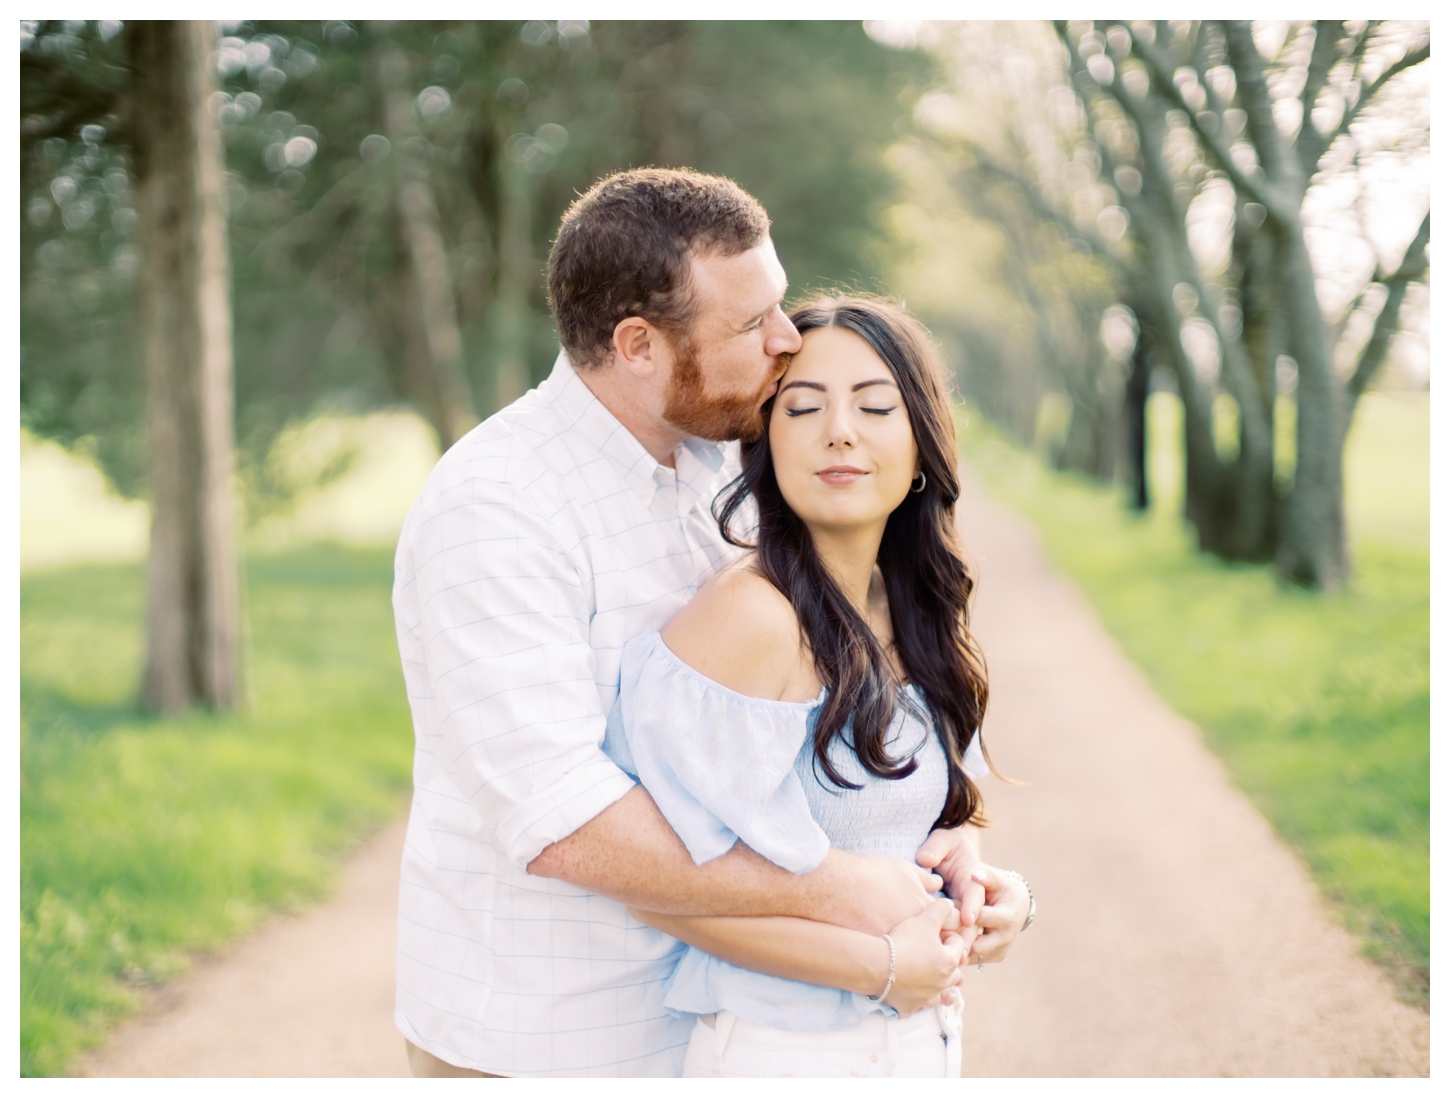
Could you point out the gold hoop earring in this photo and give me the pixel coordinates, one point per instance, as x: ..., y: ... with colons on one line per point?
x: 919, y: 487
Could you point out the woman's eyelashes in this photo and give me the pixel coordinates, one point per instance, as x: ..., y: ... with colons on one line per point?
x: 807, y: 409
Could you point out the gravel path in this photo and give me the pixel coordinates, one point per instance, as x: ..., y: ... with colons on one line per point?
x: 1178, y: 936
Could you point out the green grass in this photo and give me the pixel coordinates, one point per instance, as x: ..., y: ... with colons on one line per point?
x: 143, y: 840
x: 1318, y: 705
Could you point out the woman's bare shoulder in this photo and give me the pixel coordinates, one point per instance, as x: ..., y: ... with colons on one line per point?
x: 742, y: 632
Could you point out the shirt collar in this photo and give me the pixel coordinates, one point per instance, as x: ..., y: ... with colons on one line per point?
x: 596, y: 426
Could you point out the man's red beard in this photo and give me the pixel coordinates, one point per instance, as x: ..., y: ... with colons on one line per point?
x: 721, y: 418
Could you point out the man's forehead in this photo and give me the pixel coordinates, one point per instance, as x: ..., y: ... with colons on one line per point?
x: 740, y: 286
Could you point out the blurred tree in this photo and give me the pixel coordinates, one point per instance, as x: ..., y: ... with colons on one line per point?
x: 156, y: 94
x: 1023, y: 305
x: 185, y: 319
x: 509, y: 122
x: 1208, y: 90
x: 1181, y: 156
x: 80, y: 377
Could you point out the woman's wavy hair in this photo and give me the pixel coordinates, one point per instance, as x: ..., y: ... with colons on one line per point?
x: 921, y: 561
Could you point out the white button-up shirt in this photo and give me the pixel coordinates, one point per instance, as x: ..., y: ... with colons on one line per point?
x: 543, y: 540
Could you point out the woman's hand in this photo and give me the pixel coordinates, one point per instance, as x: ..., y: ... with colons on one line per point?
x: 1002, y: 918
x: 929, y: 955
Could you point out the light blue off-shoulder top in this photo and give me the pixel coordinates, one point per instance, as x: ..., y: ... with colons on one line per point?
x: 723, y: 766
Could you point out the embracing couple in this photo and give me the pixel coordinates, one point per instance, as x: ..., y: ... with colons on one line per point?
x: 697, y: 724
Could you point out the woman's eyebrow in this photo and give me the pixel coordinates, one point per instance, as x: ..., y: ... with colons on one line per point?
x: 803, y: 385
x: 874, y: 381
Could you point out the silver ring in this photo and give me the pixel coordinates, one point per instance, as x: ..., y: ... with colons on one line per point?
x: 981, y: 964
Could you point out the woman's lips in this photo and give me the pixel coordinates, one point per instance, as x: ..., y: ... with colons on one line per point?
x: 841, y: 474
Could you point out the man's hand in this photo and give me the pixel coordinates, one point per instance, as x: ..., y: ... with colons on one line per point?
x: 929, y: 955
x: 1002, y: 918
x: 953, y: 853
x: 872, y: 894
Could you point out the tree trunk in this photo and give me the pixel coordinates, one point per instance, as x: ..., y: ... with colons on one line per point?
x: 1135, y: 418
x: 184, y: 309
x: 516, y: 274
x: 434, y: 363
x: 1312, y: 548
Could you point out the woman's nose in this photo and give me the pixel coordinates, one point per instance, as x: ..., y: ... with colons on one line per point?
x: 840, y: 435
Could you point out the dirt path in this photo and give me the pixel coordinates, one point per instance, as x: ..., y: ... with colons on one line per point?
x: 308, y: 995
x: 1177, y: 936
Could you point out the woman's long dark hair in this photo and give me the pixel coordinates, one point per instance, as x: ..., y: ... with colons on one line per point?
x: 927, y: 582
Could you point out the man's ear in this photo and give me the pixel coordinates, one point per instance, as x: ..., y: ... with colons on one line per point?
x: 636, y: 346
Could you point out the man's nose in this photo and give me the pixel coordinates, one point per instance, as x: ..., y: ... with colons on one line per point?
x: 783, y: 338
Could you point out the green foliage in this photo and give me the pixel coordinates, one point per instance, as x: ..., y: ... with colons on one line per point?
x: 1319, y: 705
x: 144, y: 839
x: 797, y: 112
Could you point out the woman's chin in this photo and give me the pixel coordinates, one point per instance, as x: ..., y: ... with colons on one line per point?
x: 837, y: 521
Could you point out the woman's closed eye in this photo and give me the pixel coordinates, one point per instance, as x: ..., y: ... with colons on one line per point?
x: 806, y: 410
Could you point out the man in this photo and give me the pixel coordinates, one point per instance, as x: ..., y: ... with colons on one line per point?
x: 569, y: 522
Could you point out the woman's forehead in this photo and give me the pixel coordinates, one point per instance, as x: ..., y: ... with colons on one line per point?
x: 835, y: 355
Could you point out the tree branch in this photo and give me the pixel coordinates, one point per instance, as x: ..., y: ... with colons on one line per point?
x: 1161, y: 69
x: 1258, y: 105
x: 1413, y: 267
x: 55, y: 101
x: 1412, y: 57
x: 987, y: 166
x: 1156, y: 178
x: 1310, y: 143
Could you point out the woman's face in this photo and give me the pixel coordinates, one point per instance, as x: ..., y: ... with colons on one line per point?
x: 840, y: 438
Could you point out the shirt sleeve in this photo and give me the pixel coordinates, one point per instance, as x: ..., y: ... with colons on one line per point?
x: 503, y: 627
x: 719, y: 765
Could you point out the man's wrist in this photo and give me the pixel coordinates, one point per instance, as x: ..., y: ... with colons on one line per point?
x: 821, y: 889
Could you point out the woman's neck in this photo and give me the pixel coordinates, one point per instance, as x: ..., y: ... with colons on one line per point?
x: 850, y: 556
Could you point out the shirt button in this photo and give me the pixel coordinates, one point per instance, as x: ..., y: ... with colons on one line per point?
x: 644, y: 497
x: 873, y: 1057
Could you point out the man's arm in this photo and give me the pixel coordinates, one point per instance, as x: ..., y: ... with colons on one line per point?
x: 496, y: 612
x: 630, y: 853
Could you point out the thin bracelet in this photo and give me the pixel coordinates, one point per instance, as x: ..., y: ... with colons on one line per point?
x: 890, y: 975
x: 1031, y: 900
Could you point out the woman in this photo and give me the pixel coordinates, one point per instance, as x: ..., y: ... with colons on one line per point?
x: 831, y: 691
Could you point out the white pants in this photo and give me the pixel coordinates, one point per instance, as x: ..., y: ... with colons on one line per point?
x: 927, y: 1045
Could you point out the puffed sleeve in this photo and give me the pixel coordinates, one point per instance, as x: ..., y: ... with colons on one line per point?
x: 720, y: 765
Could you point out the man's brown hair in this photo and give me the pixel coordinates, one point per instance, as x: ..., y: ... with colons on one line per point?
x: 624, y: 249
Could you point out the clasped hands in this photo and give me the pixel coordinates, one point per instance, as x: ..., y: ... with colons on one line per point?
x: 976, y: 926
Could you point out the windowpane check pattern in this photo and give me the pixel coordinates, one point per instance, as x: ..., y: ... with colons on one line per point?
x: 541, y: 542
